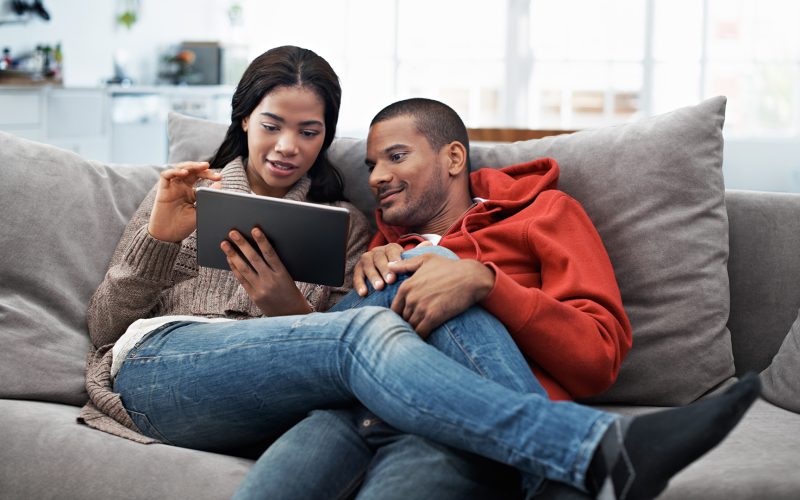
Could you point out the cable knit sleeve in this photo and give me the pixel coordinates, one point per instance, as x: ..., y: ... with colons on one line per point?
x: 140, y: 269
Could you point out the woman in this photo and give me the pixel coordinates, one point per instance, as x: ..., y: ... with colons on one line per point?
x: 171, y: 363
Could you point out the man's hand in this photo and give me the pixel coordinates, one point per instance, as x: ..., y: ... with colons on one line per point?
x: 439, y: 289
x: 373, y: 267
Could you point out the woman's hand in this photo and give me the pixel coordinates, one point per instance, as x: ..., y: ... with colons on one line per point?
x: 174, y: 216
x: 263, y: 275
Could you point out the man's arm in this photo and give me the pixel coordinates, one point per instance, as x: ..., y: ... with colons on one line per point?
x: 573, y: 326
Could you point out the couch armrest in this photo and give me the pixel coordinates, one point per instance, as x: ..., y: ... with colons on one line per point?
x: 764, y: 271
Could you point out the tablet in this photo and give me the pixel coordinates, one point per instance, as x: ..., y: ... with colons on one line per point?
x: 310, y: 239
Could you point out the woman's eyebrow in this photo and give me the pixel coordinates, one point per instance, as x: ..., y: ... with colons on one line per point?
x: 304, y: 123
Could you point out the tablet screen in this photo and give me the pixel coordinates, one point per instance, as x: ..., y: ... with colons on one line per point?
x: 310, y: 239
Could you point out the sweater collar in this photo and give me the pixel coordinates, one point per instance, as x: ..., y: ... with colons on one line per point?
x: 234, y: 178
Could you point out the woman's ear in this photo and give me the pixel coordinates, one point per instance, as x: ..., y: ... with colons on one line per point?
x: 245, y: 121
x: 457, y: 158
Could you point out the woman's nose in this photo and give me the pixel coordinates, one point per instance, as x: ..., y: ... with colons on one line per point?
x: 286, y: 145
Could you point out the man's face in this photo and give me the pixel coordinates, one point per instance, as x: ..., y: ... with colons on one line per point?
x: 407, y: 176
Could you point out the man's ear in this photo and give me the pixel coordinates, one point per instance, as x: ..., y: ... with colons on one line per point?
x: 456, y: 157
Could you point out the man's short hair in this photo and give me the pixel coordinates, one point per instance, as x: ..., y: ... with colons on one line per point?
x: 437, y: 121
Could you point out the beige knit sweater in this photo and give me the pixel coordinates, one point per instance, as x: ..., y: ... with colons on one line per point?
x: 148, y: 278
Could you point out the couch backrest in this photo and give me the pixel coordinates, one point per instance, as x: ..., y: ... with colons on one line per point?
x: 764, y: 272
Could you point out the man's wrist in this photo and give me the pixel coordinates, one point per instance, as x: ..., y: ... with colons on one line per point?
x: 483, y: 282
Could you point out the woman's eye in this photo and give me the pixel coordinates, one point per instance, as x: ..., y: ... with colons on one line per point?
x: 269, y: 128
x: 310, y: 133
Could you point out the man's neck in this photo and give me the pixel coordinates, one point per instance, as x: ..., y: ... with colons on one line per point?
x: 444, y: 220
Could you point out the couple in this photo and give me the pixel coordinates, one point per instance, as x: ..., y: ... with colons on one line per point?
x: 482, y: 297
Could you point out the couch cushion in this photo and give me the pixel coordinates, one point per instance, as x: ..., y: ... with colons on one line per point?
x: 62, y: 219
x: 781, y: 379
x: 655, y: 192
x: 758, y: 459
x: 47, y: 454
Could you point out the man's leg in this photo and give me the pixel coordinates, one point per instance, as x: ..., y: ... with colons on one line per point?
x: 479, y: 341
x: 323, y: 456
x: 407, y: 465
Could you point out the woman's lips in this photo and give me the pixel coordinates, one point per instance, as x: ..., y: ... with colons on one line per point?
x: 281, y: 168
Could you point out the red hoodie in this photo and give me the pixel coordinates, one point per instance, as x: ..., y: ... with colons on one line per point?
x: 554, y: 289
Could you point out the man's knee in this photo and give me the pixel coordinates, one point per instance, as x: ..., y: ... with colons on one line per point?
x: 434, y: 249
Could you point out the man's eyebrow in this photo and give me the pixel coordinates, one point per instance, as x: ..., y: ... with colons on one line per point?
x: 394, y: 147
x: 281, y: 119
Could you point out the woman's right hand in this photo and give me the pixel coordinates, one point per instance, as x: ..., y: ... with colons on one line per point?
x: 174, y: 215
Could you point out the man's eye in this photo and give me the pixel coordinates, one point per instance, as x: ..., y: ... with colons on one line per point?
x: 396, y: 156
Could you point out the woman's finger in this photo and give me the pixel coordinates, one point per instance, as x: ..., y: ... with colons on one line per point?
x: 267, y: 251
x: 237, y: 263
x: 254, y: 258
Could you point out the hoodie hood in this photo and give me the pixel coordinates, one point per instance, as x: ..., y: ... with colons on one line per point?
x: 506, y: 191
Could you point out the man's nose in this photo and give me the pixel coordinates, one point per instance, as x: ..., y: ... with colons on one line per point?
x: 378, y: 176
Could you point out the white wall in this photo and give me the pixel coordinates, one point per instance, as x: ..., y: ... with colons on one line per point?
x: 90, y: 36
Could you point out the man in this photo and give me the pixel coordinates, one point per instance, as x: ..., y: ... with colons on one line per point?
x: 508, y: 241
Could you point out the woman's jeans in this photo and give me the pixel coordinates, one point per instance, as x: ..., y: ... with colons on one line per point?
x: 223, y: 386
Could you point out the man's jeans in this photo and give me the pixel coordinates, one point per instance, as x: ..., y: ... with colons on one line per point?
x: 333, y: 453
x: 223, y: 386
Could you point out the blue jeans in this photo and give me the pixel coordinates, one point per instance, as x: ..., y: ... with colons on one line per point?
x: 332, y: 453
x: 223, y: 386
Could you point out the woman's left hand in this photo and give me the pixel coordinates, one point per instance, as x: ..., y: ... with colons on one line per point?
x: 263, y: 275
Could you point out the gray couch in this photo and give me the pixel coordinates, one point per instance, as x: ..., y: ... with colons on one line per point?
x: 710, y: 280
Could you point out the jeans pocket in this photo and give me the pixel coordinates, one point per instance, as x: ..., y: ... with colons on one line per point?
x: 146, y: 427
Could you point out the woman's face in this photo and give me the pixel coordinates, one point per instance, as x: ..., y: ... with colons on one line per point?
x: 285, y: 133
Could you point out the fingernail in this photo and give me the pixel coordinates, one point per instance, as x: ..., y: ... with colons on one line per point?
x: 388, y: 276
x: 377, y: 283
x: 362, y: 291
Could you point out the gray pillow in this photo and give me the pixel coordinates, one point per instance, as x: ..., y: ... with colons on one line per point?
x: 781, y: 379
x: 62, y: 219
x: 655, y: 192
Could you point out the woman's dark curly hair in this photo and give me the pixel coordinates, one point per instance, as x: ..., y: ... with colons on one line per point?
x: 287, y: 66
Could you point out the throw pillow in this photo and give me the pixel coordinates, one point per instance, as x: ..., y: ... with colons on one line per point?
x: 62, y: 219
x: 781, y: 379
x: 655, y: 192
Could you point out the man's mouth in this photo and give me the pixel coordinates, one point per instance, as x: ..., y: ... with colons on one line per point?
x: 388, y: 194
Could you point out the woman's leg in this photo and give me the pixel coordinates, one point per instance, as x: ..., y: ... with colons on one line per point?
x: 219, y: 386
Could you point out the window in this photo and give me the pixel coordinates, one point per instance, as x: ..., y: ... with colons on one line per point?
x: 551, y: 63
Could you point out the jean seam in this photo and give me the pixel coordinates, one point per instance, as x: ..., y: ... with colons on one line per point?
x: 451, y: 333
x: 150, y: 427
